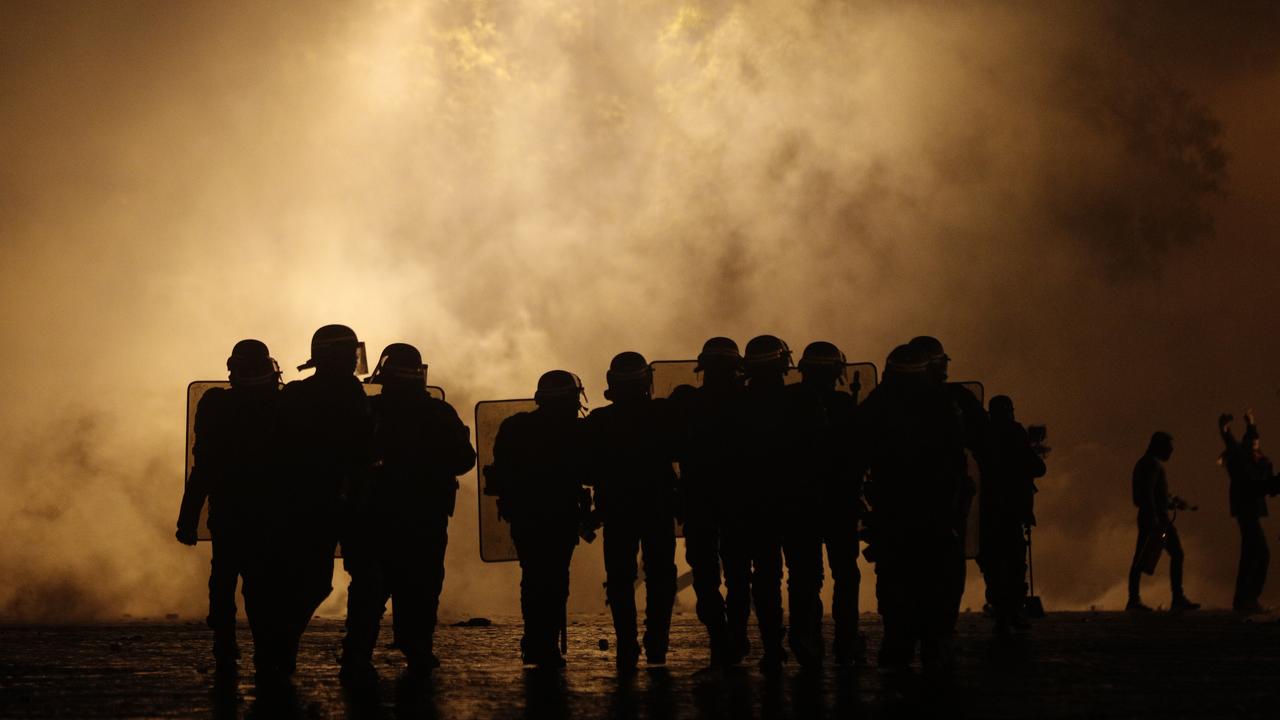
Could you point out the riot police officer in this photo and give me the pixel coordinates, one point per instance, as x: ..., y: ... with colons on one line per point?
x: 910, y: 439
x: 835, y: 513
x: 233, y: 471
x: 776, y: 433
x: 397, y: 544
x: 1008, y: 491
x: 974, y: 423
x: 712, y: 503
x: 538, y: 473
x: 633, y: 446
x: 325, y: 438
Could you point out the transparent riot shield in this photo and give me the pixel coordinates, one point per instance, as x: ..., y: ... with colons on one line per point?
x: 973, y: 520
x: 196, y: 391
x: 860, y: 379
x: 976, y: 388
x: 495, y: 533
x: 434, y: 391
x: 670, y: 374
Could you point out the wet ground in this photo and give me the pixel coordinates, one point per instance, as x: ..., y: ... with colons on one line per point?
x: 1072, y: 665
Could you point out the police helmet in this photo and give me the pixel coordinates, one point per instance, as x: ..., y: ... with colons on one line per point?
x: 906, y: 360
x: 629, y: 369
x: 824, y: 358
x: 251, y: 363
x: 400, y: 362
x: 931, y: 346
x: 335, y: 341
x: 767, y: 353
x: 559, y: 384
x: 719, y: 352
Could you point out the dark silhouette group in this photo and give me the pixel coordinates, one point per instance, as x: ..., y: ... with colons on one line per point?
x: 763, y: 475
x: 290, y: 471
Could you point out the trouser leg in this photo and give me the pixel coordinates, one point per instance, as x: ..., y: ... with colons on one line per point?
x: 702, y: 552
x: 1263, y: 562
x: 1004, y: 567
x: 621, y: 544
x: 1174, y: 547
x: 366, y: 602
x: 766, y: 588
x: 419, y: 580
x: 802, y: 550
x: 846, y: 579
x: 735, y: 556
x: 1135, y: 569
x: 658, y: 549
x: 1254, y: 559
x: 225, y: 568
x: 895, y: 604
x: 939, y: 609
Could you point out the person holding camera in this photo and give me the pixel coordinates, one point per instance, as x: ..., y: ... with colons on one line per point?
x: 1006, y: 501
x: 1252, y: 479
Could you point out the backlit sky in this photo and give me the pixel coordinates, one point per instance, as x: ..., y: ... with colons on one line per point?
x: 1079, y: 199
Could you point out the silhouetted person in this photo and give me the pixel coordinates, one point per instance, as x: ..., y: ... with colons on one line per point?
x: 777, y: 434
x: 975, y: 441
x: 712, y: 503
x: 233, y: 471
x: 911, y: 440
x: 835, y: 511
x: 1008, y: 492
x: 397, y: 545
x: 1151, y: 497
x: 538, y: 473
x: 1252, y: 479
x: 325, y: 438
x: 633, y: 445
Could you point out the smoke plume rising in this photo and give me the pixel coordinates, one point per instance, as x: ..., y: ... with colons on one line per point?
x: 1078, y: 200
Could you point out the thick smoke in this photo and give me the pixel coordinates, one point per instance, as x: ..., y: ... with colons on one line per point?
x: 1077, y: 200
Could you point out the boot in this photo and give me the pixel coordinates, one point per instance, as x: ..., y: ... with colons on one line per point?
x: 226, y: 654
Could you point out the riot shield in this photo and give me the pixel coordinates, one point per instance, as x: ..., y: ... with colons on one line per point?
x: 434, y: 391
x: 976, y: 388
x: 972, y: 534
x: 495, y: 533
x: 669, y: 374
x: 196, y: 391
x: 860, y: 379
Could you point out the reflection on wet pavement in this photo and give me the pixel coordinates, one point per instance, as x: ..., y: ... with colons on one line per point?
x: 1073, y: 665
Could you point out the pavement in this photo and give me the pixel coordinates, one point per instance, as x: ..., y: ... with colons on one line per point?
x: 1071, y: 665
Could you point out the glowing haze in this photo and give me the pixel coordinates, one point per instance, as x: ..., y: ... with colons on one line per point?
x: 1079, y: 201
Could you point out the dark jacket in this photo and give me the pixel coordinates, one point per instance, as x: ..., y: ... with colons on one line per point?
x: 1008, y: 479
x: 632, y: 452
x: 1251, y: 477
x: 326, y: 443
x: 830, y: 461
x: 539, y: 470
x: 420, y: 449
x: 234, y: 457
x: 1151, y: 491
x: 911, y: 439
x: 707, y: 445
x: 777, y: 434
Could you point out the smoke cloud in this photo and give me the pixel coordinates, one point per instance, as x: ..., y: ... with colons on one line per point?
x: 1078, y: 200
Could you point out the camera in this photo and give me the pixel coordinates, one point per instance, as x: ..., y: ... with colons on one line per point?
x: 1037, y: 435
